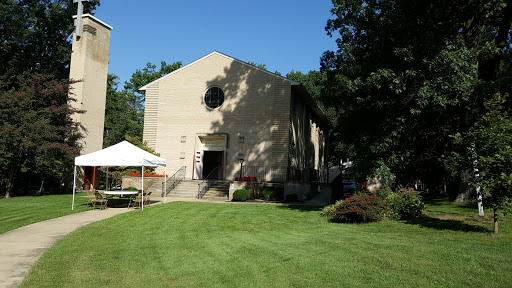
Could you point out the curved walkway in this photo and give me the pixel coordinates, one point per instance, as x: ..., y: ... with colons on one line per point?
x: 20, y: 248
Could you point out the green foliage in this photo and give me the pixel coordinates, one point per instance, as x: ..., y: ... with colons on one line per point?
x: 121, y: 120
x: 409, y: 73
x: 131, y: 188
x: 384, y: 192
x: 241, y: 195
x: 489, y: 142
x: 34, y: 37
x: 361, y: 208
x: 143, y: 77
x: 406, y: 203
x: 37, y: 133
x: 124, y: 110
x: 34, y: 42
x: 330, y: 210
x: 117, y: 172
x: 272, y: 193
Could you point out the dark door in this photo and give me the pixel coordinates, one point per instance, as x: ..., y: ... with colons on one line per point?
x: 212, y: 164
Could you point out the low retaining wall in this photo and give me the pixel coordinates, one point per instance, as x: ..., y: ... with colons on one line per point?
x: 151, y: 184
x: 301, y: 189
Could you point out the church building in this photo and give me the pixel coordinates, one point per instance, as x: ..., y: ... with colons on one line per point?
x: 218, y: 114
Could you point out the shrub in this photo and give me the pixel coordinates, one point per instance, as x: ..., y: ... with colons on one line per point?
x: 247, y: 178
x: 272, y: 194
x: 384, y: 192
x: 328, y: 211
x: 241, y: 195
x: 361, y: 208
x: 131, y: 188
x: 406, y: 203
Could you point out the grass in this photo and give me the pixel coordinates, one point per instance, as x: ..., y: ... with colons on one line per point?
x: 249, y: 245
x: 21, y: 211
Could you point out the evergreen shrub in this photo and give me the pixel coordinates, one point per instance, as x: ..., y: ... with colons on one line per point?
x: 241, y: 195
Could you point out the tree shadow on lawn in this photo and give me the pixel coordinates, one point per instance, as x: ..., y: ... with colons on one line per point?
x: 301, y: 207
x: 446, y: 224
x: 442, y: 202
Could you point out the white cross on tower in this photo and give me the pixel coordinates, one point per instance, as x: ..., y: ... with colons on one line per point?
x: 78, y: 32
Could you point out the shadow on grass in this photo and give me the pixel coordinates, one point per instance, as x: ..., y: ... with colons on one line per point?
x: 443, y: 201
x: 301, y: 208
x: 446, y: 224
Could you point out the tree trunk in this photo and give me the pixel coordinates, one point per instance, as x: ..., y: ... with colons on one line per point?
x: 41, y: 188
x: 10, y: 183
x: 495, y: 220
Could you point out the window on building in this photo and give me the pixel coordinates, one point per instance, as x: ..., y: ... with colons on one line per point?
x: 214, y: 97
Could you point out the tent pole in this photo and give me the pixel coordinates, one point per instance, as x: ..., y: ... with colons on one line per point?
x: 106, y: 186
x: 74, y: 189
x: 165, y: 183
x: 94, y: 179
x: 142, y: 200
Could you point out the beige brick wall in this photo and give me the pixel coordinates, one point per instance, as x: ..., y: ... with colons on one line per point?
x: 256, y: 107
x: 89, y: 63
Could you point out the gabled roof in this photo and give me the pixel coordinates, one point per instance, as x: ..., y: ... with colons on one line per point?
x: 225, y: 56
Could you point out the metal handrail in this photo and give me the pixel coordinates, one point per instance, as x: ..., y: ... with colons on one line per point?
x: 174, y: 180
x: 201, y: 192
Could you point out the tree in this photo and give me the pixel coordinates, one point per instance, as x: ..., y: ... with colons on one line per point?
x: 37, y: 137
x: 491, y: 137
x: 121, y: 119
x: 262, y: 66
x: 141, y: 78
x: 37, y: 132
x: 314, y: 82
x: 124, y: 110
x: 407, y: 74
x: 34, y: 37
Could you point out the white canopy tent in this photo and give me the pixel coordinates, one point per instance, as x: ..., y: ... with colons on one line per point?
x: 122, y: 154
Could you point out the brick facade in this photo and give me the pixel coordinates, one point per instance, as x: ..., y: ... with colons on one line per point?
x: 255, y: 119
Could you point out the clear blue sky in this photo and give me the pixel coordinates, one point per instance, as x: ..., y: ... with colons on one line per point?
x: 284, y: 35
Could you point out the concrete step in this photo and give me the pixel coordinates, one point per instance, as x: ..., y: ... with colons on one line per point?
x: 219, y: 191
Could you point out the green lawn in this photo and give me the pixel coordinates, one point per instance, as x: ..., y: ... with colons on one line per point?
x: 20, y: 211
x: 252, y: 245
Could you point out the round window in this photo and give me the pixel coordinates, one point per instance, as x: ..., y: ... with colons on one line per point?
x: 214, y: 97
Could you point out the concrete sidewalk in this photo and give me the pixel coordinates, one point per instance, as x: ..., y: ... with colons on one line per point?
x: 20, y: 248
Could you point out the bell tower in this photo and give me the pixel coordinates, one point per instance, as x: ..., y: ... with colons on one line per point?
x: 89, y: 65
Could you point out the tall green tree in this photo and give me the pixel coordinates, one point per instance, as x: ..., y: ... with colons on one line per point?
x: 143, y: 77
x: 124, y: 110
x: 121, y: 119
x: 37, y: 134
x: 34, y: 37
x: 491, y: 138
x: 407, y: 74
x: 315, y: 82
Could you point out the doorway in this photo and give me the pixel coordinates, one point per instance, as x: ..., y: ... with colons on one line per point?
x: 213, y: 161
